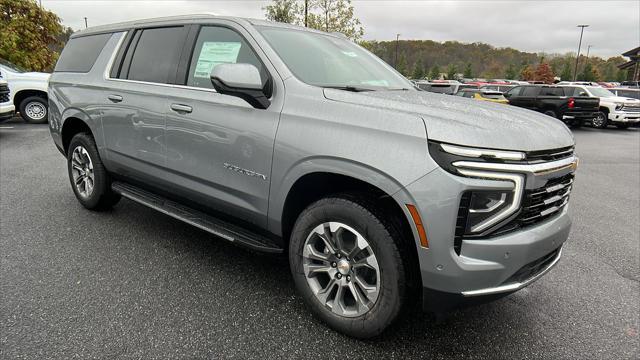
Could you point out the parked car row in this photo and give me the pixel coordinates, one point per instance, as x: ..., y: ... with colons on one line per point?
x: 27, y: 93
x: 575, y: 103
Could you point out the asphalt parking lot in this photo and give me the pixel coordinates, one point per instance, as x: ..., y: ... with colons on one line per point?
x: 134, y: 283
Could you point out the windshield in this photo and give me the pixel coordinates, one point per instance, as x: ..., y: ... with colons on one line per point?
x: 328, y: 61
x: 600, y: 92
x: 11, y: 66
x: 629, y: 93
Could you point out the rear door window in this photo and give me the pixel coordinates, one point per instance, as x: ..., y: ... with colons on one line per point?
x: 552, y: 91
x: 81, y: 53
x: 516, y: 91
x: 156, y: 55
x: 531, y: 91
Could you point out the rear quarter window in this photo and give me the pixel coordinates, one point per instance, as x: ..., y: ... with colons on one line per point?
x: 81, y: 53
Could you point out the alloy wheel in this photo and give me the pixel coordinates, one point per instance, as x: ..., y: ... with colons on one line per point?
x: 82, y: 171
x: 599, y: 120
x: 341, y: 269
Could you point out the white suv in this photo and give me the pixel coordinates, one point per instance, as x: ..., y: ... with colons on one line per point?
x: 619, y: 111
x: 6, y: 107
x: 28, y: 91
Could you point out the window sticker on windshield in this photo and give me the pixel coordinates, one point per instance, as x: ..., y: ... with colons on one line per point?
x: 350, y: 53
x: 214, y: 53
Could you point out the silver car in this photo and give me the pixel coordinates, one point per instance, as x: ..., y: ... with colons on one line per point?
x: 288, y: 140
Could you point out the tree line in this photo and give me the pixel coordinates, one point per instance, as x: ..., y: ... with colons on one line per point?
x: 32, y: 37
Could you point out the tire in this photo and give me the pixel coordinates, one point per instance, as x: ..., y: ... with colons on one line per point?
x: 89, y: 179
x: 601, y: 120
x: 34, y: 110
x: 350, y: 215
x: 551, y: 113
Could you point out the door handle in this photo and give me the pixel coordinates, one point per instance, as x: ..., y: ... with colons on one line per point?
x: 115, y: 98
x: 179, y: 108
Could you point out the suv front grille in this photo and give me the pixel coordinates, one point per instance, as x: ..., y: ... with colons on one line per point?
x: 542, y: 203
x: 634, y: 109
x: 549, y: 155
x: 4, y: 93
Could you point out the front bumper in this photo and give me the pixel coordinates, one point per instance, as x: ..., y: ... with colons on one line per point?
x: 7, y: 111
x: 624, y: 117
x: 485, y: 268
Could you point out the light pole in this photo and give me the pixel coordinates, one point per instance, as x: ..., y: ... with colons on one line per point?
x: 575, y: 72
x: 85, y: 22
x: 395, y: 62
x: 306, y: 13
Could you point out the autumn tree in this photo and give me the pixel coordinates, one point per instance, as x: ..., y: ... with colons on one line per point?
x: 589, y: 73
x: 527, y: 73
x: 284, y: 11
x: 28, y: 34
x: 335, y: 16
x: 544, y: 73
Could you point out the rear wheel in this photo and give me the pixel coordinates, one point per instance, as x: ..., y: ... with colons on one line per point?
x: 348, y: 266
x: 89, y: 178
x: 600, y: 121
x: 34, y: 110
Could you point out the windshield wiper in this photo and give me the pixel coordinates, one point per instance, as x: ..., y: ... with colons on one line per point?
x: 349, y: 88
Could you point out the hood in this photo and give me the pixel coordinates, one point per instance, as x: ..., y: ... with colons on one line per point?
x: 34, y: 76
x: 462, y: 121
x: 620, y: 99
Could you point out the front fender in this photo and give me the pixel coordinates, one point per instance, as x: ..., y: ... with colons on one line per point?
x: 322, y: 164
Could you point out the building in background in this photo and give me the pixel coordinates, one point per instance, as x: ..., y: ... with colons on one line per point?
x: 632, y: 67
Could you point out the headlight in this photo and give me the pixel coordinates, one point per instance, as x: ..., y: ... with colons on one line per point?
x: 445, y: 155
x: 482, y: 210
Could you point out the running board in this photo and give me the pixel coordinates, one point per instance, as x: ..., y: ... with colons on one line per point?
x: 208, y: 223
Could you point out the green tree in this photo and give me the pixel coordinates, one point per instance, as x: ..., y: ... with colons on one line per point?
x: 418, y: 70
x: 435, y: 72
x: 402, y: 64
x: 621, y: 76
x: 284, y: 11
x: 511, y: 73
x: 28, y: 33
x: 566, y: 72
x: 468, y: 73
x: 587, y: 73
x: 451, y: 72
x: 335, y: 16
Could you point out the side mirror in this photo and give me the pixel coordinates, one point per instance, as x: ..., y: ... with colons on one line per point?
x: 582, y: 93
x: 241, y: 80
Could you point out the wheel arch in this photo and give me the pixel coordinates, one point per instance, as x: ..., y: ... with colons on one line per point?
x: 73, y: 122
x: 23, y: 94
x: 313, y: 186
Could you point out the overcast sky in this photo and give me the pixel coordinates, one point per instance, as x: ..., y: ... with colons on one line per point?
x: 535, y: 26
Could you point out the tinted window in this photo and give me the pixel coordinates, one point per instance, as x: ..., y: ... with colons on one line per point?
x: 516, y: 91
x: 629, y: 93
x: 530, y: 91
x: 219, y: 45
x: 81, y: 52
x: 552, y: 91
x: 155, y: 56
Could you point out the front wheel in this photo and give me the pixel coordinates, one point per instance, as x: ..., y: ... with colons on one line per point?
x: 34, y: 110
x: 600, y: 121
x: 347, y: 264
x: 89, y: 178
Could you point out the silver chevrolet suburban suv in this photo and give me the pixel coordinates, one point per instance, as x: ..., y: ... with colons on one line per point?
x: 287, y: 140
